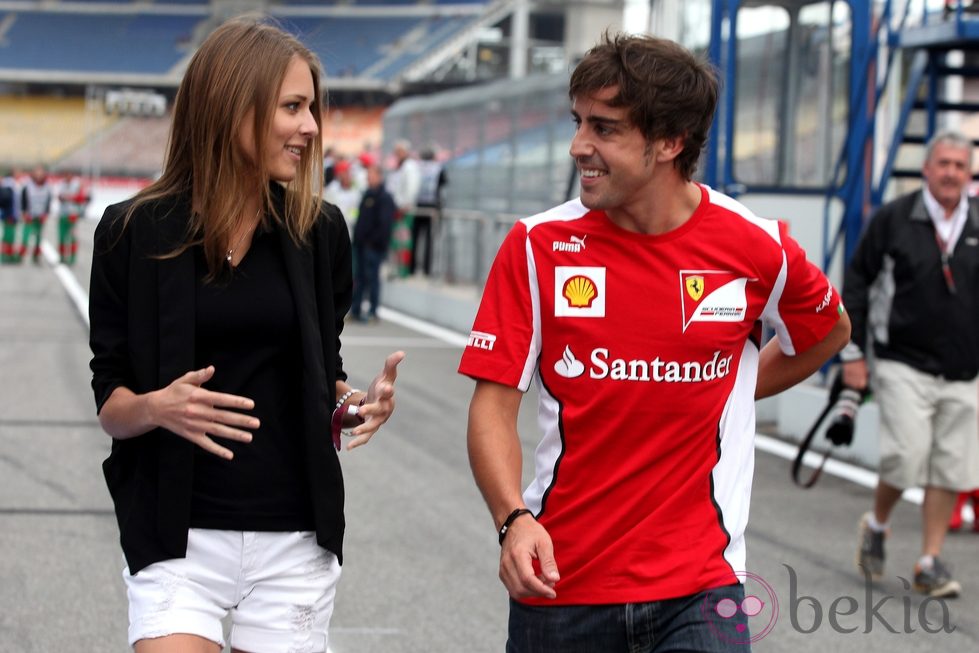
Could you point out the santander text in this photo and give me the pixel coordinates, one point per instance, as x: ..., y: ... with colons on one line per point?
x: 658, y: 370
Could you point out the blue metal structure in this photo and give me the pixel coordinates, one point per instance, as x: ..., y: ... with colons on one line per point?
x: 932, y: 39
x: 882, y: 35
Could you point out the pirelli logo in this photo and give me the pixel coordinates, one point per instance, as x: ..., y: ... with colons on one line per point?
x: 482, y: 340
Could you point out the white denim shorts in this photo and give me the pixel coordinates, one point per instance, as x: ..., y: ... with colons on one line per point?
x: 277, y: 587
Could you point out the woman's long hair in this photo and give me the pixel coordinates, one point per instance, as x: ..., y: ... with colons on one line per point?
x: 239, y: 67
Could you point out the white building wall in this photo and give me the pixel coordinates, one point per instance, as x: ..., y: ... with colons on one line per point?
x: 586, y: 21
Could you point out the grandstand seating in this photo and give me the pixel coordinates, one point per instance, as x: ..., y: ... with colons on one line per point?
x: 348, y: 45
x: 348, y: 129
x: 135, y: 146
x: 103, y: 42
x: 375, y: 46
x: 128, y: 43
x: 131, y: 146
x: 438, y: 30
x: 372, y: 3
x: 41, y: 129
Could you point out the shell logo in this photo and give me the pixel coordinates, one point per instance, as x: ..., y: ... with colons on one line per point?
x: 580, y: 291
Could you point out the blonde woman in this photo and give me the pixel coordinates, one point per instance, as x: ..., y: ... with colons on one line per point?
x: 217, y: 299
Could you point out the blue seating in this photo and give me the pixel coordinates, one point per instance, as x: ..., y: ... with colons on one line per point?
x: 348, y: 45
x: 134, y: 42
x: 439, y: 30
x: 137, y: 43
x: 390, y: 3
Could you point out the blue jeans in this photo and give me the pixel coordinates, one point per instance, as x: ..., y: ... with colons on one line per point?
x: 367, y: 278
x: 685, y: 624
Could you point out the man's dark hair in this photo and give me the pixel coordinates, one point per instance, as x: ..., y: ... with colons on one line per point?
x: 668, y: 91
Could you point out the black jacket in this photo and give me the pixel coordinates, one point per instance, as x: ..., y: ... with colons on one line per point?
x: 375, y: 219
x: 142, y: 337
x: 916, y: 319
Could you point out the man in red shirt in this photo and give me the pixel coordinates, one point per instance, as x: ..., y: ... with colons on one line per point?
x: 637, y: 310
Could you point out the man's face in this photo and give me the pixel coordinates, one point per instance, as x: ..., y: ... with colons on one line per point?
x: 947, y: 173
x: 614, y: 160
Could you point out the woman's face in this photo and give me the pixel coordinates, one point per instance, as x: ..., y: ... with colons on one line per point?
x: 292, y: 128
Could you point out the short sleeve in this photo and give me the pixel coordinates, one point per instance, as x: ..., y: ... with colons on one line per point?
x: 504, y: 342
x: 805, y: 304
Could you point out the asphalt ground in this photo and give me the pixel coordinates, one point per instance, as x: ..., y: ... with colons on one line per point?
x: 420, y: 573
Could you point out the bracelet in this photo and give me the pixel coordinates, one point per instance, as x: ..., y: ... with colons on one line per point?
x: 336, y: 423
x: 512, y: 517
x: 343, y: 399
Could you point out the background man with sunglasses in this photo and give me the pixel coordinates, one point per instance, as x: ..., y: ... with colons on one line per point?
x: 912, y: 290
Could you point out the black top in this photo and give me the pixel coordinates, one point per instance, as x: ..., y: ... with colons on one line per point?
x: 247, y: 329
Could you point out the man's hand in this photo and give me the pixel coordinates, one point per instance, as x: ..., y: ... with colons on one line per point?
x: 527, y: 541
x: 855, y: 374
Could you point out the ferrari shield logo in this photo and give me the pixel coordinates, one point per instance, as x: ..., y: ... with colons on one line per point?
x: 695, y: 286
x: 726, y: 301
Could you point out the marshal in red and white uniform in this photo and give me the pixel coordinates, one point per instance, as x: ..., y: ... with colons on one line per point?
x: 645, y: 350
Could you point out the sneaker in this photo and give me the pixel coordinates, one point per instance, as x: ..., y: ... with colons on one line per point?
x: 936, y: 582
x: 870, y: 557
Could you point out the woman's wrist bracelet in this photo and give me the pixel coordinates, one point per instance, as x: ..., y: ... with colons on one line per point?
x: 336, y: 423
x: 343, y: 398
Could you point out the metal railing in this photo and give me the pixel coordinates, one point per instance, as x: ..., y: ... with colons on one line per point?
x: 465, y: 244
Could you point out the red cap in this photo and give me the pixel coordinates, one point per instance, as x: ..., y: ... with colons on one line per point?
x: 341, y: 166
x: 366, y: 159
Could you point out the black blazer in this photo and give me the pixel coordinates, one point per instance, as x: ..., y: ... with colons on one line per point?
x: 142, y: 337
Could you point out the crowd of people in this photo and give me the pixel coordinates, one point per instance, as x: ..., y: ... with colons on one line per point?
x: 392, y: 213
x: 26, y: 203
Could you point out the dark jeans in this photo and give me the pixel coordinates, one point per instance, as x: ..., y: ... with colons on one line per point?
x: 421, y: 239
x: 367, y: 278
x: 687, y: 624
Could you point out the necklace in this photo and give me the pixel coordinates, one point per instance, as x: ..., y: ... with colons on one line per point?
x: 231, y: 250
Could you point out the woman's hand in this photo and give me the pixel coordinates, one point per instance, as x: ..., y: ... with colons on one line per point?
x: 379, y: 403
x: 197, y: 414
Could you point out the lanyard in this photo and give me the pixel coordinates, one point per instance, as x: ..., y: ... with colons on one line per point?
x: 946, y: 268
